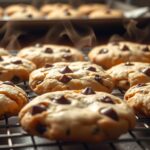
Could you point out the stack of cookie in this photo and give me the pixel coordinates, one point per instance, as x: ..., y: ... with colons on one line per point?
x: 75, y: 101
x: 59, y: 11
x: 129, y: 66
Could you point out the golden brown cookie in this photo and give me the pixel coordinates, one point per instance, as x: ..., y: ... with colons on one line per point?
x: 77, y: 116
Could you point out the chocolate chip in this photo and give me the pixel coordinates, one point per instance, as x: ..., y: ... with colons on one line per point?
x: 9, y: 83
x: 41, y: 128
x: 88, y: 91
x: 103, y: 51
x: 146, y: 71
x: 129, y: 64
x: 98, y: 79
x: 29, y: 15
x: 67, y: 13
x: 146, y: 49
x: 96, y: 130
x: 66, y: 69
x: 140, y: 85
x: 48, y: 65
x: 68, y: 132
x: 67, y: 56
x: 38, y: 109
x: 92, y: 69
x: 16, y: 79
x: 125, y: 48
x: 62, y: 100
x: 38, y: 45
x: 110, y: 113
x: 1, y: 59
x: 65, y: 79
x: 16, y: 61
x: 66, y: 50
x: 48, y: 50
x: 108, y: 11
x: 107, y: 99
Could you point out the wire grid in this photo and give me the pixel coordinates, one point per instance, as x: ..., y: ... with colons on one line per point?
x: 12, y: 136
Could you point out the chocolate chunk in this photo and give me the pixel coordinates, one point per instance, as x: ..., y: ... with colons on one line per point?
x: 96, y: 130
x: 103, y: 51
x: 41, y: 128
x: 98, y: 79
x: 48, y: 50
x: 65, y: 79
x: 140, y: 85
x: 66, y: 50
x: 9, y: 83
x: 48, y: 65
x: 16, y: 61
x: 129, y: 64
x: 62, y: 100
x: 92, y: 69
x: 16, y: 79
x: 67, y: 13
x: 29, y: 15
x: 146, y: 71
x: 67, y: 56
x: 38, y: 109
x: 125, y: 48
x: 108, y: 11
x: 88, y: 91
x: 1, y: 59
x: 68, y: 132
x: 110, y: 113
x: 66, y: 70
x: 146, y: 49
x: 107, y: 99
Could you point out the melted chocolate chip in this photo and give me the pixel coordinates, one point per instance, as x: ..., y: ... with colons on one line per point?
x: 29, y: 15
x: 98, y: 79
x: 67, y: 13
x: 41, y: 128
x: 129, y: 64
x: 110, y: 113
x: 1, y: 59
x: 146, y: 49
x: 92, y: 69
x: 16, y: 61
x: 66, y: 50
x: 141, y: 84
x: 103, y: 51
x: 62, y: 100
x: 108, y: 11
x: 9, y: 83
x: 68, y: 132
x: 88, y: 91
x: 96, y: 130
x: 67, y: 56
x: 48, y: 50
x: 65, y: 79
x: 48, y: 65
x: 38, y: 109
x: 146, y: 71
x: 16, y: 79
x: 107, y: 100
x: 66, y: 70
x: 125, y: 48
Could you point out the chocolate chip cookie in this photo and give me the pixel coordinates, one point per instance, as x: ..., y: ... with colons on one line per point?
x: 70, y: 76
x: 43, y: 54
x: 118, y: 52
x: 12, y: 99
x: 15, y: 69
x: 83, y: 115
x: 129, y: 74
x: 138, y: 97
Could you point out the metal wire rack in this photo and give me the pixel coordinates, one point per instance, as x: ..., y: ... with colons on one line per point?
x: 12, y: 136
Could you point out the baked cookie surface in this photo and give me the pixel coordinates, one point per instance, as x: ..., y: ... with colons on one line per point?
x: 43, y: 54
x: 118, y: 52
x: 129, y: 74
x: 12, y: 99
x: 138, y: 97
x: 70, y: 76
x: 77, y: 116
x: 4, y: 52
x: 15, y: 69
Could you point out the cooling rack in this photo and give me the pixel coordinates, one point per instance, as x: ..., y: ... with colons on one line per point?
x: 12, y: 136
